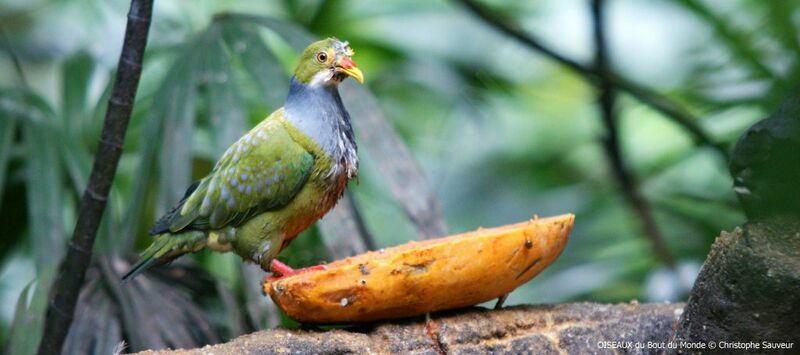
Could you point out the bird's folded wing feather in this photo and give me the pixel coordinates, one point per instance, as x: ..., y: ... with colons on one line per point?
x: 263, y: 170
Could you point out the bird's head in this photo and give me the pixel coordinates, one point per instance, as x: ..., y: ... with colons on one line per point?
x: 327, y: 62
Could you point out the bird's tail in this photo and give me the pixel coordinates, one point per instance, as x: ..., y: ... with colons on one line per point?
x: 165, y: 248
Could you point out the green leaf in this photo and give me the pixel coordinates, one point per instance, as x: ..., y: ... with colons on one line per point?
x: 23, y: 324
x: 77, y: 162
x: 28, y: 323
x: 43, y: 175
x: 27, y: 107
x: 76, y: 79
x: 226, y: 115
x: 172, y: 109
x: 44, y: 192
x: 297, y: 37
x: 175, y: 158
x: 261, y: 65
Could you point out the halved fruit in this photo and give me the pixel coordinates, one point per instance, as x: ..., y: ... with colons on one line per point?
x: 420, y: 277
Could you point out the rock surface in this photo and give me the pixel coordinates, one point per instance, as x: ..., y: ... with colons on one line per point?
x: 749, y: 287
x: 541, y: 329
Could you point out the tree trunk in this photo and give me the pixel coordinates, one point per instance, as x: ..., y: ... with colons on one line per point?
x: 72, y: 271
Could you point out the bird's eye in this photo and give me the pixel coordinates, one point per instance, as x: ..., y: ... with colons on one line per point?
x: 322, y: 57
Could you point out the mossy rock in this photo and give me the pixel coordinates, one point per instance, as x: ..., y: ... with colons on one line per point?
x: 749, y: 287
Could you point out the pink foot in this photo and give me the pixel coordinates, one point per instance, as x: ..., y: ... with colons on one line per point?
x: 280, y: 269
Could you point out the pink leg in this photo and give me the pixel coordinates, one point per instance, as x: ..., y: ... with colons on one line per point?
x: 280, y: 269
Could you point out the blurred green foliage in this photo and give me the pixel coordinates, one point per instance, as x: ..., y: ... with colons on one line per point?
x: 501, y: 133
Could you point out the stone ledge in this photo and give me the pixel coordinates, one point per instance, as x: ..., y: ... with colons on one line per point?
x: 540, y: 329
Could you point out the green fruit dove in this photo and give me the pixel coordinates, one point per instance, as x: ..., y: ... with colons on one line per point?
x: 277, y: 179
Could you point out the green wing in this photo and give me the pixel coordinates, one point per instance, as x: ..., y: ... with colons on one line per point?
x: 263, y: 170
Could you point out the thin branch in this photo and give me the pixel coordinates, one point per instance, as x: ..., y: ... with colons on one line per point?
x: 647, y: 96
x: 71, y: 273
x: 607, y: 98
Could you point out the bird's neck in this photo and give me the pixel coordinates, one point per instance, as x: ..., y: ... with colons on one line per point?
x: 318, y: 112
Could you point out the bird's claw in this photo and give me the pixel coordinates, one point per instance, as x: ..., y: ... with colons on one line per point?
x: 500, y: 301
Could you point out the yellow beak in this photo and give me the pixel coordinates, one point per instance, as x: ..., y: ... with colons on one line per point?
x: 347, y: 66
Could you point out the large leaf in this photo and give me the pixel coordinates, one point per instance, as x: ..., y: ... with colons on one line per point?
x: 43, y: 176
x: 22, y: 325
x: 175, y: 158
x: 296, y: 36
x: 227, y: 119
x: 27, y: 326
x: 173, y: 102
x: 76, y: 80
x: 262, y: 67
